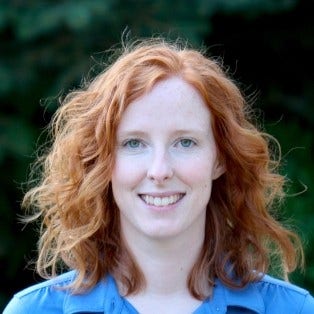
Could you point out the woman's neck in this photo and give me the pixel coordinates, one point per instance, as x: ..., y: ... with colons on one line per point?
x: 166, y: 263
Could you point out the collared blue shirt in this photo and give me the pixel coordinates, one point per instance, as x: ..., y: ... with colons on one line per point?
x: 267, y: 296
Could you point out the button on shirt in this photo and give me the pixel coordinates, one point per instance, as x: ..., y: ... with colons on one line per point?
x: 267, y: 296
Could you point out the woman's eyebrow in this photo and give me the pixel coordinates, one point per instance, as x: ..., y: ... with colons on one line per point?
x: 131, y: 132
x: 196, y: 130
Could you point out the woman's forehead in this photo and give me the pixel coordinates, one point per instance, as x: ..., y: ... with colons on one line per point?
x: 171, y: 103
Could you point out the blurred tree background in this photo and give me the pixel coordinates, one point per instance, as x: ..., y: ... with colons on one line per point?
x: 48, y: 47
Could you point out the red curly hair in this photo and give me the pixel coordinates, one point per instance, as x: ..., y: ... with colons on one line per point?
x: 80, y: 220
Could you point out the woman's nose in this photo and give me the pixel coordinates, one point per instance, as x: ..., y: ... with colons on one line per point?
x: 160, y: 168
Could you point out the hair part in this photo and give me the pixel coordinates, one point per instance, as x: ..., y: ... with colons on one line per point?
x: 80, y: 220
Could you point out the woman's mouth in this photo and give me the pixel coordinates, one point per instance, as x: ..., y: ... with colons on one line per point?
x: 160, y: 201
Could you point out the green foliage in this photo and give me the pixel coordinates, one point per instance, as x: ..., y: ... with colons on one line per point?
x: 47, y: 47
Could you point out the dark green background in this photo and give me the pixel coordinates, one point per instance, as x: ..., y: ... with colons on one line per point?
x: 48, y: 47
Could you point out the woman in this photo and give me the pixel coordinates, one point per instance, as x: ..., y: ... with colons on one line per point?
x: 156, y: 195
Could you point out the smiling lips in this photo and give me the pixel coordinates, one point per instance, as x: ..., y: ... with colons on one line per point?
x: 161, y: 201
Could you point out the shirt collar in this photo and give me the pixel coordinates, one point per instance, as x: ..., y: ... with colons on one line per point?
x: 248, y: 297
x: 102, y: 298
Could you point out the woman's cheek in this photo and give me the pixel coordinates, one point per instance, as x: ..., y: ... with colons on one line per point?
x: 196, y: 169
x: 129, y: 170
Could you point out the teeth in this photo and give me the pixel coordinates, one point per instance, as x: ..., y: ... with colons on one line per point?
x: 160, y: 201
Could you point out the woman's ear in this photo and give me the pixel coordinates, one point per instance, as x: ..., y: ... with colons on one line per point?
x: 219, y: 169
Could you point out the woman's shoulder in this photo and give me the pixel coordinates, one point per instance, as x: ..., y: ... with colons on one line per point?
x: 266, y: 296
x: 268, y: 281
x: 271, y: 287
x: 48, y: 293
x: 50, y: 297
x: 285, y: 295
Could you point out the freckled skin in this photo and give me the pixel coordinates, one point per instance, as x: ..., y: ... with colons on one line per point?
x: 165, y: 144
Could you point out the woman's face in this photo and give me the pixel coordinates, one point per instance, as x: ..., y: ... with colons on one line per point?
x: 166, y: 160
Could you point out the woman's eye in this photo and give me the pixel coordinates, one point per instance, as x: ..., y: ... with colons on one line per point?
x: 133, y: 143
x: 185, y: 142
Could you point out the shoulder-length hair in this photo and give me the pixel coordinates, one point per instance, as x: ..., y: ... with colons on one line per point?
x: 80, y: 220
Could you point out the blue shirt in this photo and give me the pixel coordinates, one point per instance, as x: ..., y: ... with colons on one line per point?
x: 269, y: 295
